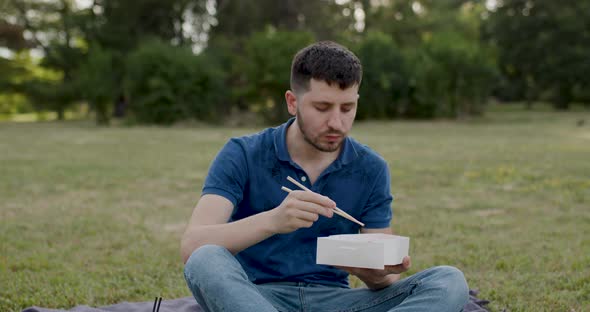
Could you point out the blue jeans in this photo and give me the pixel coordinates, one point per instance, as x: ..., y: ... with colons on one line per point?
x: 219, y: 283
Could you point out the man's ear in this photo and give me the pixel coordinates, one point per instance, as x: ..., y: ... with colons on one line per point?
x: 291, y: 100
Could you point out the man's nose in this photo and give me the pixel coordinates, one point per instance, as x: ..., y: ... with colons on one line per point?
x: 335, y: 121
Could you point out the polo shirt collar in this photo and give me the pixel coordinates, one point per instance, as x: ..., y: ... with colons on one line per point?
x: 347, y: 154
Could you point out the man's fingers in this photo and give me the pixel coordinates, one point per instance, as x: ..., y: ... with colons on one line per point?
x: 306, y: 216
x: 309, y: 202
x: 317, y: 209
x: 400, y: 268
x: 389, y: 269
x: 407, y: 262
x: 314, y: 198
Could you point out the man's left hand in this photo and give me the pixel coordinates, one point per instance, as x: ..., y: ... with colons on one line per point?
x: 376, y: 278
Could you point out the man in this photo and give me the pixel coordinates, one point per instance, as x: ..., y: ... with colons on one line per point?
x: 249, y: 246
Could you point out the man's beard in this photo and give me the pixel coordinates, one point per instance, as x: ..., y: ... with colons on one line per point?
x: 316, y: 145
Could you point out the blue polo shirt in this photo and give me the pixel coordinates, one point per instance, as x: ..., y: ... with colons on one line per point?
x: 250, y: 170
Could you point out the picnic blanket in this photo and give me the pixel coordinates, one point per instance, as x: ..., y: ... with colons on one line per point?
x: 189, y: 304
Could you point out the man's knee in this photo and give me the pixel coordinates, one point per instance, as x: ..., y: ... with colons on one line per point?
x: 452, y: 284
x: 203, y: 264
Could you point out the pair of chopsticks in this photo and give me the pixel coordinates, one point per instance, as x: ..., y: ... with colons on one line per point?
x: 337, y: 210
x: 158, y: 301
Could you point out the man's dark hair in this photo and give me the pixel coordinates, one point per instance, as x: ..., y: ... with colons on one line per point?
x: 327, y: 61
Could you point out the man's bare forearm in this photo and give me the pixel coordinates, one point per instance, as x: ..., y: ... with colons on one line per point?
x: 235, y: 236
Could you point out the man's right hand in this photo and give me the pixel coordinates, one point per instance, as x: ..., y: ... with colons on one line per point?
x: 300, y: 209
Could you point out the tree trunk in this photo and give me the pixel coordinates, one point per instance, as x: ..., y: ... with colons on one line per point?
x: 530, y: 92
x: 102, y: 113
x: 529, y: 97
x: 367, y: 9
x: 60, y: 113
x: 563, y: 97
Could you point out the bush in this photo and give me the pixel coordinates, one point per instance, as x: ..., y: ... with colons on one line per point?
x: 14, y: 103
x: 166, y: 84
x: 97, y: 82
x: 266, y: 68
x: 451, y: 77
x: 52, y: 95
x: 384, y: 84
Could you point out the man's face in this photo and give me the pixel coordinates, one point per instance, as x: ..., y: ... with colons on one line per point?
x: 325, y: 114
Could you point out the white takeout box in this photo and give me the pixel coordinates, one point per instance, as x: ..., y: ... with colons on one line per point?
x: 373, y: 251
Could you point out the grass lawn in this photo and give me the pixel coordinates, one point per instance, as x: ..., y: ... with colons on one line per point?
x: 93, y: 215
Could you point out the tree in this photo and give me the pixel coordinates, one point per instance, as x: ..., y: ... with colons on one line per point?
x: 385, y: 81
x: 96, y: 83
x: 409, y: 22
x: 251, y: 34
x: 451, y: 77
x: 543, y: 44
x: 323, y: 18
x: 52, y: 29
x: 265, y: 68
x: 166, y: 84
x: 14, y: 71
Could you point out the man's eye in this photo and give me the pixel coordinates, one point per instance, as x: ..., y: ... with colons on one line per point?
x: 321, y: 108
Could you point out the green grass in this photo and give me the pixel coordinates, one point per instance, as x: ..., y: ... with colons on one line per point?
x: 93, y: 215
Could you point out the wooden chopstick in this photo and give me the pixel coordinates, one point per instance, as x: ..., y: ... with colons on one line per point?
x: 337, y: 210
x: 351, y: 218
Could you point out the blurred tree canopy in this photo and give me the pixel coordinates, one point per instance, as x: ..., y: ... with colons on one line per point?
x: 168, y: 84
x: 165, y: 61
x: 543, y: 45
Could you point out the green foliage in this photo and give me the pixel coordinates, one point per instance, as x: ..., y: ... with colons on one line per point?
x: 124, y: 25
x: 384, y: 84
x: 63, y: 58
x: 422, y: 59
x: 443, y: 70
x: 410, y: 21
x: 324, y: 19
x: 221, y: 54
x: 21, y: 77
x: 10, y: 70
x: 451, y: 77
x: 445, y: 76
x: 266, y: 64
x: 14, y: 103
x: 543, y: 45
x: 166, y: 84
x: 50, y: 95
x: 50, y: 26
x: 96, y: 82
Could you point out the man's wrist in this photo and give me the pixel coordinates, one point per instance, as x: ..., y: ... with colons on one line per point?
x: 267, y: 223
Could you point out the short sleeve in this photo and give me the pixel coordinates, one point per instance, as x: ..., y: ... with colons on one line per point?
x: 377, y: 212
x: 227, y: 175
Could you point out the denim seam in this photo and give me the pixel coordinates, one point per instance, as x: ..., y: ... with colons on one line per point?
x: 302, y: 299
x: 382, y: 299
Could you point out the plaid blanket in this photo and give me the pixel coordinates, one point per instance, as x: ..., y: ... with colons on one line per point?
x: 188, y: 304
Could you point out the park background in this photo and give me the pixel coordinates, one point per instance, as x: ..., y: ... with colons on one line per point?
x: 111, y: 111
